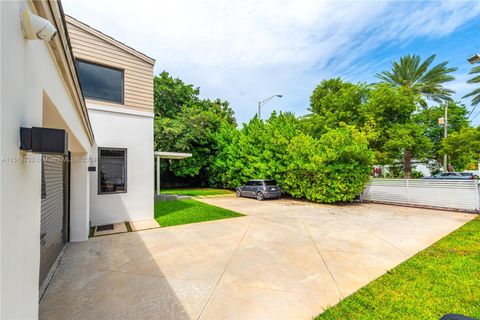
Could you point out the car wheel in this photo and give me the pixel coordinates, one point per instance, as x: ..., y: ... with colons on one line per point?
x: 239, y: 193
x: 260, y: 196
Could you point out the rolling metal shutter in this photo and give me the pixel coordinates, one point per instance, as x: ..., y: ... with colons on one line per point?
x: 54, y: 224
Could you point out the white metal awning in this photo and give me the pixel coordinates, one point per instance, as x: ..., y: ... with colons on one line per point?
x: 172, y: 155
x: 167, y: 155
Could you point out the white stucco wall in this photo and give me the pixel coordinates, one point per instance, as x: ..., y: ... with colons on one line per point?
x: 423, y: 168
x: 134, y: 131
x: 28, y: 70
x: 79, y: 197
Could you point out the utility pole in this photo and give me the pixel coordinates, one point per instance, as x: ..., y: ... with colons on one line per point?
x: 445, y: 134
x: 474, y: 60
x: 259, y: 110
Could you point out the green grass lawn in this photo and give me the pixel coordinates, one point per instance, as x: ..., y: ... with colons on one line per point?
x: 196, y: 192
x: 444, y: 278
x: 175, y: 212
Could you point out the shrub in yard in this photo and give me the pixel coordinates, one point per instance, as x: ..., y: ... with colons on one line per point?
x: 255, y: 151
x: 333, y: 168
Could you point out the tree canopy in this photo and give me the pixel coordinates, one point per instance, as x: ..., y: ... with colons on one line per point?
x: 190, y: 125
x: 423, y: 82
x: 475, y: 94
x: 326, y: 155
x: 417, y: 76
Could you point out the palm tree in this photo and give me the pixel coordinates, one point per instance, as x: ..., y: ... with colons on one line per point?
x: 421, y: 80
x: 475, y: 93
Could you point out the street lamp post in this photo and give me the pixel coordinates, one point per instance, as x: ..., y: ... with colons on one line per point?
x: 474, y: 59
x: 261, y: 103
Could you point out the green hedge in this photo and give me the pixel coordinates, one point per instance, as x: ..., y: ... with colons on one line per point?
x: 334, y: 168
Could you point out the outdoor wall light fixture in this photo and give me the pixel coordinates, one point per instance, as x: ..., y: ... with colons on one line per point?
x: 35, y: 27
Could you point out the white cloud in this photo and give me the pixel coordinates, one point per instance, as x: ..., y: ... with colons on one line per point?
x: 242, y: 51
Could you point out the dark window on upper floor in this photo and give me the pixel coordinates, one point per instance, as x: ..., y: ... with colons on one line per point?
x: 101, y: 82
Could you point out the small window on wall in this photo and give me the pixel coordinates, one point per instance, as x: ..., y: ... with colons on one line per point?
x: 101, y: 82
x: 112, y: 172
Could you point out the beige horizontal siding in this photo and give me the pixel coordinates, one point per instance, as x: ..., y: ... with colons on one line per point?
x: 132, y: 106
x: 139, y: 86
x: 138, y: 73
x: 139, y: 96
x: 111, y: 57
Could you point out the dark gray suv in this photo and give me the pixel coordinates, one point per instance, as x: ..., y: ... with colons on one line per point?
x: 259, y: 189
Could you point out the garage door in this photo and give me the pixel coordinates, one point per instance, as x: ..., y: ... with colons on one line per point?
x: 54, y: 224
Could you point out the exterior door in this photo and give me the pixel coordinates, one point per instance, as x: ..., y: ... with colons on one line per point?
x: 54, y: 211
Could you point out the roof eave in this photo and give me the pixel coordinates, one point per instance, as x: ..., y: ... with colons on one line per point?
x: 110, y: 40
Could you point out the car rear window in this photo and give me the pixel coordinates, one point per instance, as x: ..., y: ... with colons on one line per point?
x: 465, y: 174
x: 270, y: 182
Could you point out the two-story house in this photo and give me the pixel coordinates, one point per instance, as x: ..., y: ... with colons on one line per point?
x: 117, y: 83
x: 76, y: 142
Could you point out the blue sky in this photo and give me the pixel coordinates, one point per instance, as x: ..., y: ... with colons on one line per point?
x: 245, y: 51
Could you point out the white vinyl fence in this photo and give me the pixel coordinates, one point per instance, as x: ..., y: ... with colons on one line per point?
x: 445, y: 194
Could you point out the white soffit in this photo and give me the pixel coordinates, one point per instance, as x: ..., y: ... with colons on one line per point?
x: 172, y: 155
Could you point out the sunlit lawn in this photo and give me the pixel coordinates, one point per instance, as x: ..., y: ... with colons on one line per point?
x: 444, y: 278
x: 196, y: 192
x: 175, y: 212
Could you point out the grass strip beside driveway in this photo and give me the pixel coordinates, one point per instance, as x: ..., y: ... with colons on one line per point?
x: 444, y: 278
x: 196, y: 192
x: 176, y: 212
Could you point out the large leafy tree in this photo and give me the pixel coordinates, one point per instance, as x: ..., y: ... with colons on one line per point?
x: 419, y: 78
x: 335, y: 101
x: 171, y: 94
x: 407, y: 137
x: 186, y: 123
x: 463, y: 147
x: 457, y: 119
x: 386, y: 106
x: 475, y: 94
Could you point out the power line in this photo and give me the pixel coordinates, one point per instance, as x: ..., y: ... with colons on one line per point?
x: 475, y: 116
x: 472, y: 111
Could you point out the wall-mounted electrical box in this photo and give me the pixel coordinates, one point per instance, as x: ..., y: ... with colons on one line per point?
x: 44, y: 140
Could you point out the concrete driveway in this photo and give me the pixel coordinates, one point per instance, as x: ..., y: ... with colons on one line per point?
x: 284, y: 260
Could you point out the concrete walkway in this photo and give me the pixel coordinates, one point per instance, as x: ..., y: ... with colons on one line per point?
x: 284, y: 260
x: 168, y: 197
